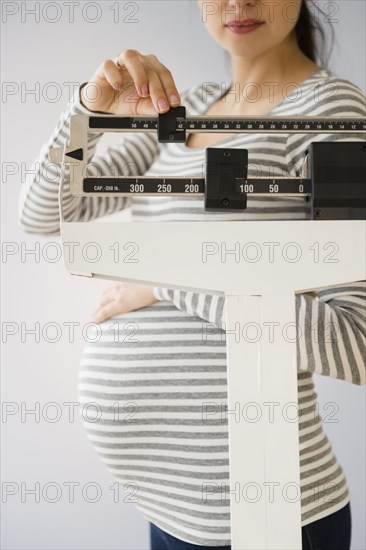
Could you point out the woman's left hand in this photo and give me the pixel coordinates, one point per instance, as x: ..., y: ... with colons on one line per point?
x: 121, y: 298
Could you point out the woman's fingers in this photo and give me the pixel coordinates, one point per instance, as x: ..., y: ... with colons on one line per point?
x: 153, y: 87
x: 151, y: 77
x: 168, y: 84
x: 157, y: 93
x: 113, y: 74
x: 145, y: 73
x: 131, y: 60
x: 163, y: 83
x: 121, y: 298
x: 111, y: 302
x: 112, y: 286
x: 109, y: 297
x: 106, y: 299
x: 108, y: 310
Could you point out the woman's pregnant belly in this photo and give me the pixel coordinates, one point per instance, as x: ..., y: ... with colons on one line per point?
x: 153, y: 395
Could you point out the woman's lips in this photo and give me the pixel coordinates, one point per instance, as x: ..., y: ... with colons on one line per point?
x: 243, y: 27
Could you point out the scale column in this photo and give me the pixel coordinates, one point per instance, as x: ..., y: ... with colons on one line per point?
x: 265, y: 495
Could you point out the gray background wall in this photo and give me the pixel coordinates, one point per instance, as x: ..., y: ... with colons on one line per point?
x: 35, y: 54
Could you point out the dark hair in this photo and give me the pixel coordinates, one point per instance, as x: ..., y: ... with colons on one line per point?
x: 310, y: 33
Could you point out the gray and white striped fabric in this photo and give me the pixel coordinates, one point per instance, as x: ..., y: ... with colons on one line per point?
x: 153, y: 384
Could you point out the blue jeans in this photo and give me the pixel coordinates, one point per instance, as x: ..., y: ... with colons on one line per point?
x: 330, y: 533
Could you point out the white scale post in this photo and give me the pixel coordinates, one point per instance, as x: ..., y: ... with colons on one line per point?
x: 261, y: 364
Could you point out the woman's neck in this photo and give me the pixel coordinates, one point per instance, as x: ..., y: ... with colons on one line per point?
x: 284, y: 64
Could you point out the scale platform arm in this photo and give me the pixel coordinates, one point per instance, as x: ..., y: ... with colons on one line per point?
x: 326, y: 272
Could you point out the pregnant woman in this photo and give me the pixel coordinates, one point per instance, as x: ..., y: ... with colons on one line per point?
x: 151, y: 382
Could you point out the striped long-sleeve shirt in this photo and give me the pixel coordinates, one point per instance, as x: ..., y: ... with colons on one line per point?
x: 169, y: 468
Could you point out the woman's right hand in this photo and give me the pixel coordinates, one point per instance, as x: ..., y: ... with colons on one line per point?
x: 135, y: 88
